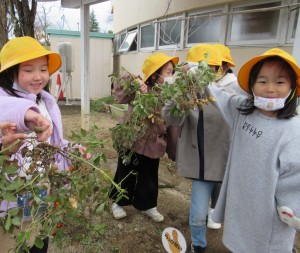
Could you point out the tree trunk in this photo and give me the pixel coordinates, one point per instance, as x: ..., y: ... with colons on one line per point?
x: 4, y: 22
x: 24, y: 20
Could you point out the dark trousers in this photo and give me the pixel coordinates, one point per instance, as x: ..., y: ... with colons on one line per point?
x: 215, y: 194
x: 140, y: 179
x: 35, y: 249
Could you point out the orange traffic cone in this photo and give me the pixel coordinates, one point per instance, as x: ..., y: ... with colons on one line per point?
x: 60, y: 96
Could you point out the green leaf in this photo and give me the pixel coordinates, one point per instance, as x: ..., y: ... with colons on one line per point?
x: 12, y: 169
x: 14, y: 211
x: 8, y: 223
x: 9, y: 197
x: 100, y: 208
x: 14, y: 185
x: 99, y: 226
x: 97, y: 160
x: 16, y: 221
x: 39, y: 242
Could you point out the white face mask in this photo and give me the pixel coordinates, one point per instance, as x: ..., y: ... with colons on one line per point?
x: 168, y: 79
x: 269, y: 104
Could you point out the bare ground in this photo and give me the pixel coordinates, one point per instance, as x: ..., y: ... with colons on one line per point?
x: 137, y: 233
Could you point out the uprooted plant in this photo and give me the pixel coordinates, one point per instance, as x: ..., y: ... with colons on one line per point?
x: 187, y: 91
x: 51, y: 203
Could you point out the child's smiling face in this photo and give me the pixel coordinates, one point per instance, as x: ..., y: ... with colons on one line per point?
x: 272, y: 81
x: 33, y: 75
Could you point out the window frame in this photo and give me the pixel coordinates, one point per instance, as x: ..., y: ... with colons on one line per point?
x: 131, y: 31
x: 142, y: 49
x: 292, y: 19
x: 207, y: 11
x: 263, y: 42
x: 180, y: 19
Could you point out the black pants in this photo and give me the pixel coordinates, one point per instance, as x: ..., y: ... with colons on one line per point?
x: 140, y: 180
x: 215, y: 194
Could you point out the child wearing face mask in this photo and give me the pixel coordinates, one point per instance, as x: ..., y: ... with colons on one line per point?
x: 202, y: 147
x: 140, y: 177
x: 259, y: 201
x: 25, y: 71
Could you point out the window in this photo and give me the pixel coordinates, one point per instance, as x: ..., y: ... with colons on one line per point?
x: 204, y: 29
x: 169, y: 33
x: 129, y: 43
x: 255, y: 26
x: 123, y: 35
x: 147, y: 39
x: 294, y: 15
x: 295, y: 24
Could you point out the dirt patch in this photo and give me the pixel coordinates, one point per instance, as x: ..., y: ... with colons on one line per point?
x: 137, y: 233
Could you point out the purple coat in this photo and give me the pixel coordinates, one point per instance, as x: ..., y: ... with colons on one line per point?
x: 13, y: 109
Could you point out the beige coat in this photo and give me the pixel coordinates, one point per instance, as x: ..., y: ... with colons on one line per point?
x: 215, y: 138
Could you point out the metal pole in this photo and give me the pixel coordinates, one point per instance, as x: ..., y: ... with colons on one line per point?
x: 84, y: 66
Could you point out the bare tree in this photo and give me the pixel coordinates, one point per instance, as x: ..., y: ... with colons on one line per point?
x: 23, y: 15
x: 41, y: 24
x: 5, y: 23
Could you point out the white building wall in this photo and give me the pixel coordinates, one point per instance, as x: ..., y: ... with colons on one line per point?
x: 100, y: 66
x: 131, y: 12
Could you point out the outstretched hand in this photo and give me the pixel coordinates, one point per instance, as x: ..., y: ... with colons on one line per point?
x: 39, y: 124
x: 287, y: 216
x: 10, y: 136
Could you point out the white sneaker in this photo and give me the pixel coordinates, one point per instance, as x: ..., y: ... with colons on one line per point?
x: 118, y: 211
x: 210, y: 223
x: 154, y: 214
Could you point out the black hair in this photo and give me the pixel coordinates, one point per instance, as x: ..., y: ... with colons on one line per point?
x: 152, y: 81
x: 7, y: 78
x: 289, y: 109
x: 225, y: 65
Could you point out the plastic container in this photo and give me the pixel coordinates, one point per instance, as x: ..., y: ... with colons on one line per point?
x: 118, y: 111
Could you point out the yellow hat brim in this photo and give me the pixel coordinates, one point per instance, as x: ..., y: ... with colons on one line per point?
x: 166, y: 59
x: 24, y: 49
x: 244, y: 73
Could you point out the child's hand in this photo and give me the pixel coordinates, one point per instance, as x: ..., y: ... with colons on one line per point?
x: 39, y: 124
x: 9, y: 136
x: 82, y: 151
x: 143, y: 86
x: 287, y: 216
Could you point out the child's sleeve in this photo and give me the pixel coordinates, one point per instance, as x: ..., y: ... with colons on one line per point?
x: 13, y: 109
x: 288, y: 187
x: 227, y: 103
x: 170, y: 119
x: 118, y: 90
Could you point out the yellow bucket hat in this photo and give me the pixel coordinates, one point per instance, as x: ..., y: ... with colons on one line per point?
x: 243, y: 75
x: 225, y: 52
x: 198, y: 53
x: 154, y: 62
x: 26, y: 48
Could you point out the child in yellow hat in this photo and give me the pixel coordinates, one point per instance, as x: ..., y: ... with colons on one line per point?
x: 259, y: 201
x: 202, y: 148
x: 140, y: 176
x: 25, y: 71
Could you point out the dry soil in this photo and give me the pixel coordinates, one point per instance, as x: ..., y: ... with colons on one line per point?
x: 137, y: 233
